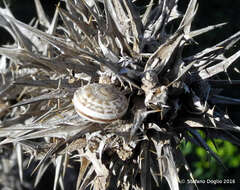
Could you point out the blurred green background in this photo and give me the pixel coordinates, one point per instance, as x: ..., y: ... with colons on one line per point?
x: 209, y: 13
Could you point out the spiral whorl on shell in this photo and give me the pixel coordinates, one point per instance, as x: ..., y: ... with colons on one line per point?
x: 100, y: 103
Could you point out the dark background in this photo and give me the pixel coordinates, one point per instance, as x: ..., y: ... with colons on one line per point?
x: 209, y: 12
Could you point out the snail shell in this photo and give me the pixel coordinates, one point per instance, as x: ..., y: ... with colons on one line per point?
x: 101, y: 103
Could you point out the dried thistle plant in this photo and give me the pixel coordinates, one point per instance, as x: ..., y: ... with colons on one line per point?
x: 171, y: 97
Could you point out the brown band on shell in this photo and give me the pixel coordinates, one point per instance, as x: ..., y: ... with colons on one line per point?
x: 94, y: 118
